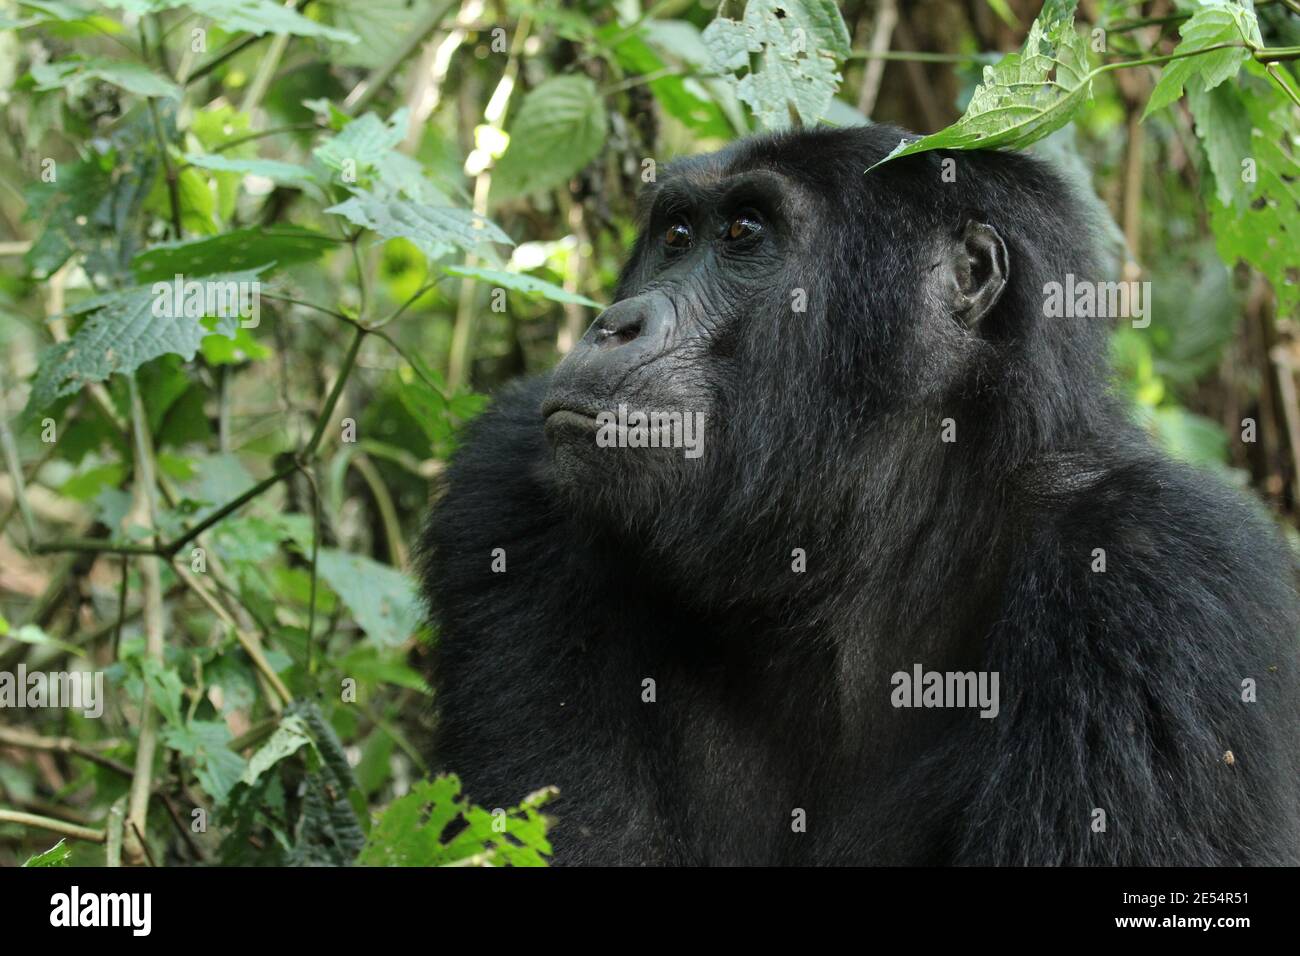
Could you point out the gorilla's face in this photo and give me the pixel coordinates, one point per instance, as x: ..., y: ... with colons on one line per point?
x: 638, y: 401
x: 771, y: 311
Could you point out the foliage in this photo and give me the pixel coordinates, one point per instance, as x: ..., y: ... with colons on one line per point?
x: 262, y: 262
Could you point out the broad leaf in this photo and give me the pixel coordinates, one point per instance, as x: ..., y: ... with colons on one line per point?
x: 381, y: 599
x: 1026, y: 96
x: 435, y: 230
x: 1208, y: 27
x: 75, y: 76
x: 559, y: 129
x: 124, y: 330
x: 251, y: 248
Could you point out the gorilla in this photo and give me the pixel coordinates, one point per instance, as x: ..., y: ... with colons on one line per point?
x: 830, y: 544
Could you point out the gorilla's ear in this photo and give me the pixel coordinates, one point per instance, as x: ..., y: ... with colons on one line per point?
x: 977, y: 271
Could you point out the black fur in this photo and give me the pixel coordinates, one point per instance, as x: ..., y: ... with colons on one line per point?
x: 1120, y: 690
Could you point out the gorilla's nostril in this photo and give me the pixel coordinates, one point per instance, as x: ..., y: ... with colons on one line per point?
x: 619, y: 334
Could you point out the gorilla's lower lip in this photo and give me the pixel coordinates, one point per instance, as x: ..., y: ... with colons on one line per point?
x: 555, y: 406
x: 570, y: 418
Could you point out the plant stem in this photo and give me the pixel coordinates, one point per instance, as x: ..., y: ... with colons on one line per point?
x: 70, y: 830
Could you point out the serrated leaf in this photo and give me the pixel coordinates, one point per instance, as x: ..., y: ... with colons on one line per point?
x: 1211, y: 25
x: 363, y: 143
x: 123, y: 332
x: 435, y: 230
x: 529, y: 285
x: 799, y: 45
x: 76, y: 75
x: 56, y: 855
x: 328, y: 832
x: 382, y: 599
x: 558, y: 129
x: 1026, y: 95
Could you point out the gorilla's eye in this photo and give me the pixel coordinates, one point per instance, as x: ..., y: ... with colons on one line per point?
x: 678, y: 236
x: 744, y: 225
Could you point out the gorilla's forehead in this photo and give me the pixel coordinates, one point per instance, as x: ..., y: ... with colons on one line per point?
x: 817, y: 160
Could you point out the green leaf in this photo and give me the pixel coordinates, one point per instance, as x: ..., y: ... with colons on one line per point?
x: 1188, y: 437
x: 363, y: 143
x: 529, y: 285
x: 1265, y: 231
x: 382, y: 25
x: 289, y: 737
x: 32, y: 634
x: 327, y: 832
x: 435, y: 230
x: 75, y: 76
x: 165, y: 690
x: 126, y: 329
x: 56, y: 855
x: 377, y: 666
x: 198, y: 203
x: 1213, y: 24
x: 381, y: 599
x: 254, y: 248
x: 410, y: 830
x: 798, y: 44
x: 1224, y: 129
x: 683, y: 98
x: 207, y: 744
x: 559, y: 129
x: 1026, y: 95
x: 250, y: 16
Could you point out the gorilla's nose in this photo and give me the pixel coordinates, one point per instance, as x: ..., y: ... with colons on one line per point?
x: 647, y: 319
x: 619, y: 324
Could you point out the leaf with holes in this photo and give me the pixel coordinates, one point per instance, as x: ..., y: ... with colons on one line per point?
x: 799, y: 45
x: 1026, y: 95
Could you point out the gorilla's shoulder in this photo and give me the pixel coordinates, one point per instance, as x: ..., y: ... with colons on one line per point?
x: 1152, y: 539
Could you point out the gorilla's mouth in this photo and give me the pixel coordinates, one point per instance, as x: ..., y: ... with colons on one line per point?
x: 565, y: 419
x: 561, y: 409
